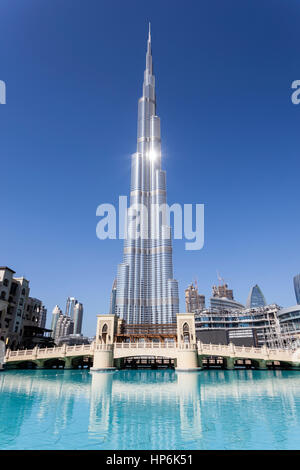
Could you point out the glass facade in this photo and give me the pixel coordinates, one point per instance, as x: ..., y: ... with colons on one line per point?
x: 297, y: 288
x: 146, y: 291
x: 256, y: 298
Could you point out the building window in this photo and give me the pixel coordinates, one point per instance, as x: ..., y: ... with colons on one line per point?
x: 13, y: 288
x: 186, y: 333
x: 5, y: 282
x: 104, y: 332
x: 3, y: 294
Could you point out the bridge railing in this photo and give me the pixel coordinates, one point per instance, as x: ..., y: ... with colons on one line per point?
x: 144, y: 345
x: 49, y: 351
x: 79, y: 347
x: 42, y: 352
x: 209, y: 349
x: 228, y: 348
x: 232, y: 349
x: 21, y: 352
x: 103, y: 347
x: 155, y: 345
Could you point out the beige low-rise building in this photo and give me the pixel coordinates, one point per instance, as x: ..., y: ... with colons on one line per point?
x: 18, y: 311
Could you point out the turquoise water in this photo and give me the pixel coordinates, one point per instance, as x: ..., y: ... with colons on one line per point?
x: 73, y: 409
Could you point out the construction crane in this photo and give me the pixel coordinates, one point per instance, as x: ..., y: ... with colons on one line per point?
x: 220, y: 278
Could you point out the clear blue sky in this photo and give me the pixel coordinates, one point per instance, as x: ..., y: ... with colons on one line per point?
x: 74, y: 71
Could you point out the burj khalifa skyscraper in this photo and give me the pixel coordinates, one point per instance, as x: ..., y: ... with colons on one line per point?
x: 146, y: 291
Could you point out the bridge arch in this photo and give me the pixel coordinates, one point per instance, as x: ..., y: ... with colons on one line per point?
x: 25, y: 365
x: 54, y: 363
x: 145, y: 362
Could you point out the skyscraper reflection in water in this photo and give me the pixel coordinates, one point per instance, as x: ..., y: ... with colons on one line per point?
x: 216, y: 409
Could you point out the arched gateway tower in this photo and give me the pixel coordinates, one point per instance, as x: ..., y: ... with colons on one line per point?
x: 146, y: 290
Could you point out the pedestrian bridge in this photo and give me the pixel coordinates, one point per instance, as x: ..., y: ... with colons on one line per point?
x: 45, y: 357
x: 187, y: 356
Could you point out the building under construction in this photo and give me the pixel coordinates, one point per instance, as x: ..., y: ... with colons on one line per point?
x: 146, y: 332
x: 243, y: 327
x: 194, y: 302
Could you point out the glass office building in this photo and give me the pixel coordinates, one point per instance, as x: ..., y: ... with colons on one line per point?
x: 297, y: 287
x: 256, y: 298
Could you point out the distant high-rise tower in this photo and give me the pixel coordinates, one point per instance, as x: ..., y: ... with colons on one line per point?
x: 194, y: 302
x: 146, y: 290
x: 71, y: 301
x: 55, y: 315
x: 77, y: 317
x: 113, y: 294
x: 255, y: 298
x: 64, y: 326
x: 297, y: 287
x: 42, y: 317
x: 68, y: 323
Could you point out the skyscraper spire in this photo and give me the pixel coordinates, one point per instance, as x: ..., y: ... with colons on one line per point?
x: 149, y: 55
x: 146, y: 290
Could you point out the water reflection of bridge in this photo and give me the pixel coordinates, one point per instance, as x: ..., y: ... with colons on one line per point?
x: 75, y: 383
x: 161, y: 397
